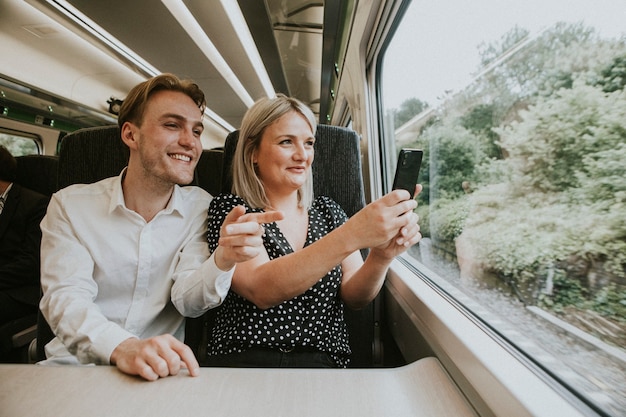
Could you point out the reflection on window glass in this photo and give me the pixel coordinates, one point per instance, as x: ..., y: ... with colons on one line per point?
x: 520, y: 108
x: 19, y: 145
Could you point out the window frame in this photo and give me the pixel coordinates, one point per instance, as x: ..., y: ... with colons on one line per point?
x: 25, y: 136
x: 496, y: 377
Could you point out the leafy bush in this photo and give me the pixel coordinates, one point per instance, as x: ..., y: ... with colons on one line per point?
x: 610, y: 301
x: 455, y: 153
x: 516, y: 235
x: 447, y: 218
x: 423, y: 211
x: 566, y: 292
x: 555, y: 191
x: 561, y: 138
x: 567, y: 155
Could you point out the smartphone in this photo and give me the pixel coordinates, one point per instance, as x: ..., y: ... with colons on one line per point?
x: 407, y: 170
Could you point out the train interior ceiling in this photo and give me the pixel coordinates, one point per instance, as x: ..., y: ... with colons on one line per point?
x: 51, y: 73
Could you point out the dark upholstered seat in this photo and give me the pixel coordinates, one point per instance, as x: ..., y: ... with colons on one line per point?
x: 89, y: 155
x: 209, y: 171
x: 336, y: 167
x: 38, y: 173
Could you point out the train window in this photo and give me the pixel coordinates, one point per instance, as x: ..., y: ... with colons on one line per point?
x: 20, y: 143
x: 520, y: 108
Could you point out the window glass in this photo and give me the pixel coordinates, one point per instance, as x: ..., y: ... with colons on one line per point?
x: 520, y: 109
x: 19, y: 143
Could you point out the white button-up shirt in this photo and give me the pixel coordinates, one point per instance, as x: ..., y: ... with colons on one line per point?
x: 108, y: 275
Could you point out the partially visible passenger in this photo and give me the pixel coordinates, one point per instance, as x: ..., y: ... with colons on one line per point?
x: 21, y: 211
x: 124, y: 259
x: 286, y: 306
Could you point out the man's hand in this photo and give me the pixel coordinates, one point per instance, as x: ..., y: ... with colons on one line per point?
x: 241, y: 236
x: 155, y: 357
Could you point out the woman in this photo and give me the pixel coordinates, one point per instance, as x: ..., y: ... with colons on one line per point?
x: 285, y: 306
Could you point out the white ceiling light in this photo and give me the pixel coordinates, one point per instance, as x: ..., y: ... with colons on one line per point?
x: 186, y: 20
x: 69, y: 15
x: 233, y: 11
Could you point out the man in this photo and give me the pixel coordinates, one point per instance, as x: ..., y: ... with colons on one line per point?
x: 21, y: 211
x: 124, y: 259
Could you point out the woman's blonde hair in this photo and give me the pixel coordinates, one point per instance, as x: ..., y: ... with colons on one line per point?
x: 246, y: 182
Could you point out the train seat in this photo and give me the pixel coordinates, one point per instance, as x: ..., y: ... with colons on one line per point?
x: 38, y: 173
x: 336, y: 168
x: 15, y: 336
x: 209, y: 171
x: 336, y: 174
x: 91, y: 154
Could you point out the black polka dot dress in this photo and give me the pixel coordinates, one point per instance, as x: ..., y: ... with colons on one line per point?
x: 314, y: 319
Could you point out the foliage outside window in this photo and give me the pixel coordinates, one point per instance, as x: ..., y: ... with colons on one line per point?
x: 19, y: 145
x: 525, y: 175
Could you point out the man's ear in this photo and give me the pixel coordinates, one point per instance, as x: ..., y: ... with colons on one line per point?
x: 128, y: 133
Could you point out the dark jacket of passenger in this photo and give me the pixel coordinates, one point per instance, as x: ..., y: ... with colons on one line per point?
x: 20, y: 241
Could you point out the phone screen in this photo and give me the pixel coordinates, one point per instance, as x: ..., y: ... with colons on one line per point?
x: 407, y: 170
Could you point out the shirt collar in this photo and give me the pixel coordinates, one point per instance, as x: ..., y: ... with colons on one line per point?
x: 117, y: 198
x: 6, y: 192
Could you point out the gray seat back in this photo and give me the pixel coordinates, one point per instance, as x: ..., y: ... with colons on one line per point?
x: 90, y: 155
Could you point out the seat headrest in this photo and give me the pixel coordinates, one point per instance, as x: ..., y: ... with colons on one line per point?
x: 91, y: 154
x: 336, y: 168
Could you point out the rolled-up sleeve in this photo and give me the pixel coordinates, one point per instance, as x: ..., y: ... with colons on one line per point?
x: 199, y: 284
x: 205, y: 288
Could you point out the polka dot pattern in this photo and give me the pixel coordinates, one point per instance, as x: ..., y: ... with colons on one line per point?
x: 312, y: 319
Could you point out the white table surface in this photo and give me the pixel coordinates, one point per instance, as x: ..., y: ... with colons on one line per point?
x: 419, y: 389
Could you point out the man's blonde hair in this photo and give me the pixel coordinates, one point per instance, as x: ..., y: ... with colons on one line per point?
x: 135, y: 102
